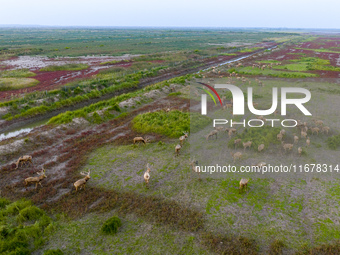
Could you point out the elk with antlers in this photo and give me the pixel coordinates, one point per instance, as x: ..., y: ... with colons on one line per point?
x: 147, y: 175
x: 22, y: 160
x: 37, y: 180
x: 183, y: 137
x: 140, y: 140
x: 83, y: 181
x: 243, y: 185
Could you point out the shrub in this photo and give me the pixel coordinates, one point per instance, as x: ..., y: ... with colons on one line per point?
x: 111, y: 226
x: 333, y: 142
x: 171, y: 123
x: 30, y: 213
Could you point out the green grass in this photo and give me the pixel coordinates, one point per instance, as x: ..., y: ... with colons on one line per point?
x: 249, y: 49
x: 67, y: 67
x: 16, y: 83
x: 21, y: 73
x: 171, y: 124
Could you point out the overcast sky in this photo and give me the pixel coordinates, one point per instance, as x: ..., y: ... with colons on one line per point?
x: 175, y: 13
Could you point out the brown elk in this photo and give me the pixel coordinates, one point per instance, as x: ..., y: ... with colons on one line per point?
x: 147, y: 175
x: 287, y: 146
x: 140, y: 140
x: 303, y: 134
x: 296, y: 138
x: 318, y: 122
x: 177, y: 149
x: 308, y: 142
x: 247, y: 144
x: 315, y: 130
x: 279, y: 136
x: 243, y: 185
x: 36, y: 180
x: 193, y: 164
x: 237, y: 141
x: 212, y: 133
x: 22, y: 160
x: 325, y: 129
x: 236, y: 156
x: 299, y: 151
x: 260, y: 147
x: 82, y: 182
x: 183, y: 137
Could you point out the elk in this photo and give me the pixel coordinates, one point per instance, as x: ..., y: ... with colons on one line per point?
x: 140, y: 140
x: 283, y: 132
x: 315, y: 130
x: 247, y: 144
x: 318, y: 122
x: 82, y: 182
x: 227, y: 106
x: 296, y: 138
x: 177, y: 149
x: 308, y: 142
x: 325, y: 129
x: 279, y: 136
x: 287, y: 146
x: 303, y: 134
x: 236, y: 156
x: 193, y: 164
x: 237, y: 141
x: 300, y: 151
x: 147, y: 175
x: 22, y: 160
x: 260, y: 147
x: 212, y: 133
x: 243, y: 185
x: 36, y: 180
x: 260, y: 165
x: 183, y: 137
x: 168, y: 108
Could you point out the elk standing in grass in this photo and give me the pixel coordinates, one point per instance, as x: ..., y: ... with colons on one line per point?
x: 22, y: 160
x: 177, y: 149
x: 287, y: 146
x: 325, y: 129
x: 147, y: 175
x: 260, y: 147
x: 140, y: 140
x: 236, y: 155
x: 193, y: 164
x: 243, y: 185
x: 237, y: 141
x: 279, y: 136
x: 303, y: 134
x: 296, y: 138
x: 36, y: 180
x: 82, y: 182
x: 247, y: 144
x: 212, y: 133
x: 308, y: 142
x: 183, y: 137
x: 315, y: 130
x: 300, y: 151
